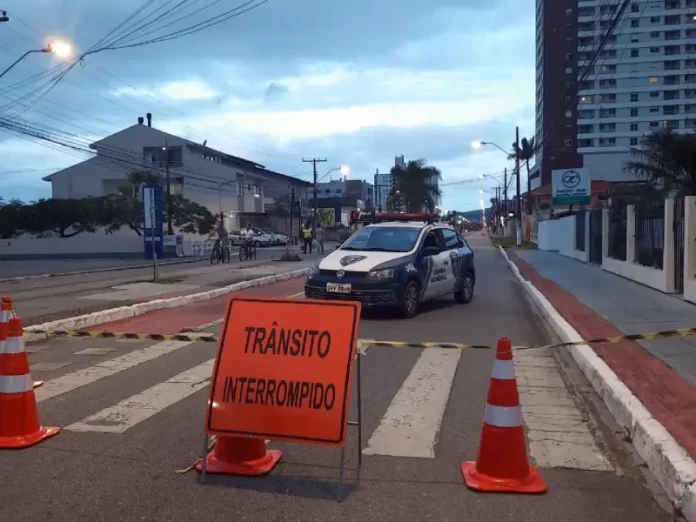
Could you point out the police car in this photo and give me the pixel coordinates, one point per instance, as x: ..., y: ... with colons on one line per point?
x: 396, y: 264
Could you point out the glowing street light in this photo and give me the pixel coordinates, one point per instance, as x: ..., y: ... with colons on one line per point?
x: 479, y: 143
x: 60, y: 49
x: 345, y: 170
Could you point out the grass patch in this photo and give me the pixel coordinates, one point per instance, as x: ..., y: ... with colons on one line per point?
x: 510, y: 242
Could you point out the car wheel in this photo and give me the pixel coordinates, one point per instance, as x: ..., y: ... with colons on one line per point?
x: 465, y: 294
x: 411, y: 300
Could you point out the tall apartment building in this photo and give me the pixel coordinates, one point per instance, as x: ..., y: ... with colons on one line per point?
x: 644, y: 79
x: 556, y: 74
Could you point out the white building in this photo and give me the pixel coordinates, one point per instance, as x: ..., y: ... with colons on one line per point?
x: 644, y: 79
x: 384, y: 184
x: 239, y: 188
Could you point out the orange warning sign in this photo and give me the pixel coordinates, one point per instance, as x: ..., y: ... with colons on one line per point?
x: 284, y: 369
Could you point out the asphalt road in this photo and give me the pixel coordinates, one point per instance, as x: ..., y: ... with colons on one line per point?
x: 125, y: 432
x: 33, y: 267
x: 45, y: 299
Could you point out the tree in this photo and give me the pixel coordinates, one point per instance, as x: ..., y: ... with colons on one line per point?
x: 414, y: 185
x: 525, y: 153
x: 12, y: 222
x: 667, y: 162
x: 281, y: 209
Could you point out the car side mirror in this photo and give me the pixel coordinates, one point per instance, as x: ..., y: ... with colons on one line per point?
x: 430, y: 251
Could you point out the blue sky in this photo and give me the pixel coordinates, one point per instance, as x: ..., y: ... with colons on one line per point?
x: 356, y: 82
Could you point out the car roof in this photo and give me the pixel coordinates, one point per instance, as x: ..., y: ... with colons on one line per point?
x: 399, y: 224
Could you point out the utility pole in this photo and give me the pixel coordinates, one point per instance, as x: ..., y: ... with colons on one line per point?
x: 314, y: 162
x: 292, y: 211
x: 519, y: 199
x: 505, y: 193
x: 170, y: 229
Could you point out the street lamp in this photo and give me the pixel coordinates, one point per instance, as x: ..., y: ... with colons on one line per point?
x: 477, y: 144
x: 60, y: 49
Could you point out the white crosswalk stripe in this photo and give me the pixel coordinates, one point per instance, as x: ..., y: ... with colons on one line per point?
x: 410, y: 426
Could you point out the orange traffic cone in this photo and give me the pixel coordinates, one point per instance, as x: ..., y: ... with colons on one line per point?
x: 19, y: 418
x: 240, y: 456
x: 502, y: 465
x: 6, y: 312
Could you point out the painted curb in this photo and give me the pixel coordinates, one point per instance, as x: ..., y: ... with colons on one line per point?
x: 667, y: 460
x: 81, y: 322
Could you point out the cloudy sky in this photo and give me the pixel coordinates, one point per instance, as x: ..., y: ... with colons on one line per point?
x: 357, y: 82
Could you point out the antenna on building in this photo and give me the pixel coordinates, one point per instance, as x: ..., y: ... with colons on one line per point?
x: 205, y: 142
x: 149, y: 119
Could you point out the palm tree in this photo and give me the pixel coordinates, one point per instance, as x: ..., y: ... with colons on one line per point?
x: 525, y: 153
x: 667, y: 161
x: 414, y: 185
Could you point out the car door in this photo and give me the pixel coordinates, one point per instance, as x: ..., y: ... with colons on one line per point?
x: 435, y: 281
x: 453, y: 250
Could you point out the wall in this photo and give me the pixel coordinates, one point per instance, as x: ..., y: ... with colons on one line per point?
x: 660, y: 279
x: 690, y: 249
x: 556, y: 235
x: 97, y: 245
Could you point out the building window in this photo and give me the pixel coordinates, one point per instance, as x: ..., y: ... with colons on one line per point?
x: 654, y: 19
x: 568, y: 114
x: 568, y: 143
x: 569, y: 12
x: 634, y: 141
x: 654, y: 79
x: 634, y: 97
x: 655, y: 34
x: 240, y: 188
x: 635, y: 8
x: 634, y: 53
x: 569, y: 70
x: 568, y: 56
x: 634, y: 127
x: 634, y: 23
x: 655, y: 94
x: 634, y: 112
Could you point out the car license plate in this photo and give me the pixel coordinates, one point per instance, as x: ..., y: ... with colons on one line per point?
x: 338, y: 288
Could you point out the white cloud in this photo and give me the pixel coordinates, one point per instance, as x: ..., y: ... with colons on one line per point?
x: 178, y: 91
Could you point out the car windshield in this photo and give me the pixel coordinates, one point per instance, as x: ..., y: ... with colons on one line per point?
x: 383, y: 239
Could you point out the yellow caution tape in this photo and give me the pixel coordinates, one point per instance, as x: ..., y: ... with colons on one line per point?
x: 212, y: 338
x: 211, y: 445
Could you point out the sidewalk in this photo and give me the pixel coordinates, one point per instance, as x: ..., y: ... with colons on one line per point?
x: 660, y: 373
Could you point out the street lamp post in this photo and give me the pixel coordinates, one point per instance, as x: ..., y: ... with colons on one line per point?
x: 60, y: 49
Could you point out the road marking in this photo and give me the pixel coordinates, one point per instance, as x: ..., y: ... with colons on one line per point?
x: 140, y: 407
x: 72, y: 381
x: 411, y: 425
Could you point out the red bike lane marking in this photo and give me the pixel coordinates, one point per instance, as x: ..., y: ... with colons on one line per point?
x: 664, y: 393
x: 172, y: 320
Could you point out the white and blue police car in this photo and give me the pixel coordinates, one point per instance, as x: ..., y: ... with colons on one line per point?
x: 396, y: 264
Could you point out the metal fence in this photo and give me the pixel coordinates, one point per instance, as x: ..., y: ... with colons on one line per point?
x: 580, y: 231
x: 650, y: 234
x: 617, y: 232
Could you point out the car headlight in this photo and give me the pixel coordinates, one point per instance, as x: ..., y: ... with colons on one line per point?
x: 385, y: 273
x: 314, y: 269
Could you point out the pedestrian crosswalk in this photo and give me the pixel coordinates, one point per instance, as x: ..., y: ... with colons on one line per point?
x: 410, y: 425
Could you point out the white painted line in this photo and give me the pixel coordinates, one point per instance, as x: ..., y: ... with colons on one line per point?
x: 411, y: 425
x: 78, y: 379
x: 140, y: 407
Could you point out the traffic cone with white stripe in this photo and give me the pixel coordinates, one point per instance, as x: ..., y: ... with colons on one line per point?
x: 502, y: 465
x: 6, y: 313
x: 19, y: 418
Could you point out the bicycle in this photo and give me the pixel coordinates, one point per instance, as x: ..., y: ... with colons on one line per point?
x: 247, y: 251
x: 220, y: 252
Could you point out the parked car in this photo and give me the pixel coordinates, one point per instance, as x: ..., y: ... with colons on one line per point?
x: 261, y: 238
x: 277, y: 239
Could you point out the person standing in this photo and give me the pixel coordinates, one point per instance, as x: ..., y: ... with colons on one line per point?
x: 319, y: 236
x: 307, y: 238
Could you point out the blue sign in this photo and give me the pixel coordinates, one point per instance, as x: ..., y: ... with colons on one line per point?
x: 153, y: 220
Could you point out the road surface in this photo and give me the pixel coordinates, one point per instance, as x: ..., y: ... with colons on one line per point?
x: 46, y: 299
x: 133, y: 413
x: 33, y: 267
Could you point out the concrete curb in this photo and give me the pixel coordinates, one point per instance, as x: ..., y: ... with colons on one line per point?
x: 667, y: 460
x: 81, y: 322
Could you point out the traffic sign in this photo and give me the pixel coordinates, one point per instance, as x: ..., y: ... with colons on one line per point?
x: 153, y: 222
x: 571, y: 187
x: 283, y: 370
